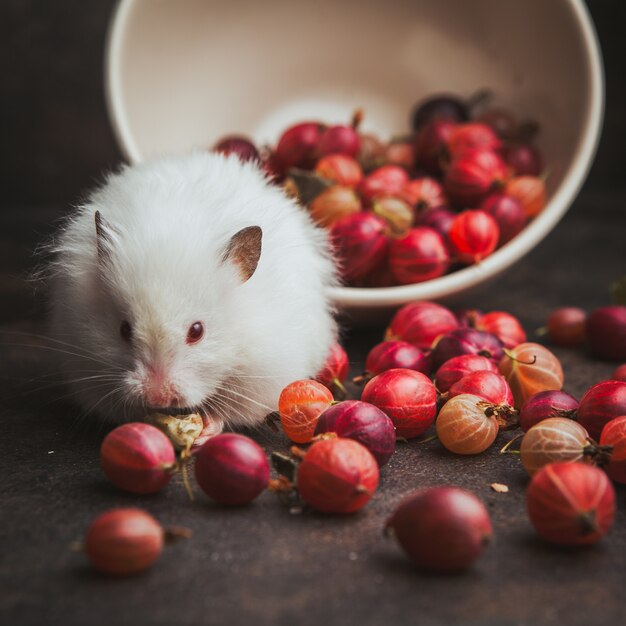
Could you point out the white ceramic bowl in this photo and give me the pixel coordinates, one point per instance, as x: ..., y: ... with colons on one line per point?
x: 182, y: 73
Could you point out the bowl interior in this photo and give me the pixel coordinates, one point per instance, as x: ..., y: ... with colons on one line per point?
x: 183, y: 73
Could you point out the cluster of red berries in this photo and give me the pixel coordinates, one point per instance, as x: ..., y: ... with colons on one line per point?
x: 459, y: 186
x: 470, y: 375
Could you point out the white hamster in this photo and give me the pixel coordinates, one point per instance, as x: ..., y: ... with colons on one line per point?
x: 190, y: 283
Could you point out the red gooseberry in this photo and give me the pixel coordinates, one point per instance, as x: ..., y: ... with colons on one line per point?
x: 300, y: 404
x: 360, y: 242
x: 571, y: 504
x: 473, y: 236
x: 424, y: 193
x: 297, y: 146
x: 232, y: 469
x: 555, y: 439
x: 362, y: 422
x: 431, y: 144
x: 335, y: 369
x: 566, y: 326
x: 137, y: 457
x: 466, y: 424
x: 600, y: 404
x: 340, y: 139
x: 457, y: 367
x: 334, y: 203
x: 473, y: 175
x: 442, y: 529
x: 420, y: 323
x: 508, y: 214
x: 401, y: 153
x: 466, y: 341
x: 529, y: 191
x: 489, y: 386
x: 337, y: 476
x: 614, y: 434
x: 395, y: 354
x: 472, y: 136
x: 545, y: 404
x: 396, y: 212
x: 408, y: 397
x: 386, y: 180
x: 504, y: 326
x: 241, y: 146
x: 530, y: 368
x: 418, y: 256
x: 606, y: 332
x: 524, y: 159
x: 123, y: 542
x: 339, y: 168
x: 439, y: 219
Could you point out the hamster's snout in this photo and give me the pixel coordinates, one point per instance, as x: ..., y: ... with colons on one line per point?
x: 158, y: 390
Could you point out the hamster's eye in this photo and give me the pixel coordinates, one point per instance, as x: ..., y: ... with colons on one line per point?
x: 126, y: 331
x: 195, y: 332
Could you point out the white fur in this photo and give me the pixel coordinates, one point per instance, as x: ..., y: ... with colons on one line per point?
x: 171, y: 220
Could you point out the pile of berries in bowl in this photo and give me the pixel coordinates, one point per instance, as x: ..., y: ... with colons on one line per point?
x: 464, y: 182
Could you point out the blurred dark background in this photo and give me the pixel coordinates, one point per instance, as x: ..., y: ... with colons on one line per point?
x: 56, y: 137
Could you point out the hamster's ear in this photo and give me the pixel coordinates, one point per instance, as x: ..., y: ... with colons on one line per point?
x: 244, y: 251
x: 103, y: 238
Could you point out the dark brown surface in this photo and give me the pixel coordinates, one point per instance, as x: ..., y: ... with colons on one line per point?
x: 261, y: 564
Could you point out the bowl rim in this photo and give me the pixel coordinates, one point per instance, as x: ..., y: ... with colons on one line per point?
x: 460, y: 280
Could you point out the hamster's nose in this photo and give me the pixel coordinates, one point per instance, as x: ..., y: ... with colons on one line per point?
x: 158, y: 391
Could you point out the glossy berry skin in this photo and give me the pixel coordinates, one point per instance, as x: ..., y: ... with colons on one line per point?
x: 300, y: 404
x: 418, y: 256
x: 467, y: 341
x: 335, y: 368
x: 442, y: 529
x: 424, y: 193
x: 431, y: 145
x: 232, y: 469
x: 398, y: 214
x: 457, y: 367
x: 606, y: 332
x: 396, y: 354
x: 524, y: 159
x: 408, y: 397
x: 556, y: 439
x: 614, y: 434
x: 387, y: 180
x: 472, y: 136
x: 473, y: 236
x: 362, y: 422
x: 546, y: 404
x: 439, y: 219
x: 339, y: 139
x: 465, y: 426
x: 472, y: 176
x: 337, y: 476
x: 490, y: 386
x: 138, y: 458
x: 340, y: 168
x: 297, y: 146
x: 508, y: 214
x: 439, y: 107
x: 602, y: 403
x: 420, y: 323
x: 123, y: 542
x: 241, y: 146
x: 334, y: 203
x: 566, y: 326
x: 571, y: 504
x: 532, y: 369
x: 529, y: 191
x: 361, y: 243
x: 401, y: 153
x: 504, y: 326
